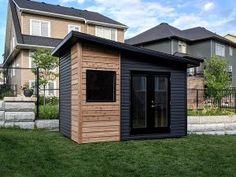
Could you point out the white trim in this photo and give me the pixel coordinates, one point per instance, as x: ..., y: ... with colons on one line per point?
x: 71, y: 25
x: 172, y: 46
x: 30, y: 59
x: 230, y: 51
x: 211, y: 49
x: 41, y: 21
x: 36, y: 46
x: 71, y: 17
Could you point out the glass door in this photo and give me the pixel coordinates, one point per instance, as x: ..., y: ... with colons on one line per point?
x: 149, y: 103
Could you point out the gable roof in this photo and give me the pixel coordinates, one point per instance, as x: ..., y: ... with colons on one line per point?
x: 50, y: 9
x: 75, y: 36
x: 165, y: 31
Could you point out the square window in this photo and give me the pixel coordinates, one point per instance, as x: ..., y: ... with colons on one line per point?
x: 100, y: 86
x: 220, y: 50
x: 39, y: 28
x: 73, y: 28
x: 182, y: 47
x: 107, y: 33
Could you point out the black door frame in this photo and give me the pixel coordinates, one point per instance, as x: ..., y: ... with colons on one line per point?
x: 150, y: 129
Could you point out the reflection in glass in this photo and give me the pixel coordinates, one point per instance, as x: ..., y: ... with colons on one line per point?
x: 161, y: 101
x: 139, y: 97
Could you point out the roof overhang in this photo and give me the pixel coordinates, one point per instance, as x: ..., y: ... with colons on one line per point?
x: 73, y: 37
x: 17, y: 49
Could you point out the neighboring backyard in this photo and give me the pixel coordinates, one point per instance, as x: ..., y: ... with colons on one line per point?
x: 42, y: 153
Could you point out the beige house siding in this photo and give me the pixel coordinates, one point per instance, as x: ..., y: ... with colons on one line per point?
x: 231, y: 38
x: 59, y: 26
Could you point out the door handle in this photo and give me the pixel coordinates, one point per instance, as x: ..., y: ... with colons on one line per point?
x: 153, y: 104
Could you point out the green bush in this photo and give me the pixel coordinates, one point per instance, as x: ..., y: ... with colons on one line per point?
x: 49, y: 111
x: 49, y: 100
x: 6, y: 91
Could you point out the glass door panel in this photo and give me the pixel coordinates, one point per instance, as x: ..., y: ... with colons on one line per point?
x: 161, y: 101
x: 139, y: 101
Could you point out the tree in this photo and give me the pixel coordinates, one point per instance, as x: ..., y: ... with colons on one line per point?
x: 46, y: 63
x: 217, y: 78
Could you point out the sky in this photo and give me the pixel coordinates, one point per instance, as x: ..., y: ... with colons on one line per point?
x: 218, y: 16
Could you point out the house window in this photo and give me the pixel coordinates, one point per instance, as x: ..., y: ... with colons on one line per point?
x: 51, y: 88
x: 182, y: 47
x: 107, y: 33
x: 100, y: 86
x: 230, y: 51
x: 32, y: 85
x: 39, y: 28
x: 191, y: 71
x: 13, y: 70
x: 73, y: 28
x: 31, y: 63
x: 220, y: 50
x: 230, y: 69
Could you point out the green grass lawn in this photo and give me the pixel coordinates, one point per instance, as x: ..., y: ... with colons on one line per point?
x: 41, y: 153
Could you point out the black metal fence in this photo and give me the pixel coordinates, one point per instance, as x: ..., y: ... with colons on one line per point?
x: 15, y: 81
x: 199, y: 99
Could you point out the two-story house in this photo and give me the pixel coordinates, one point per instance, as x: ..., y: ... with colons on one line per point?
x: 231, y: 37
x: 32, y: 25
x: 196, y: 42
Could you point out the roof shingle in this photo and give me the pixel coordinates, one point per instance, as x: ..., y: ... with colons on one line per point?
x: 165, y: 30
x: 57, y: 9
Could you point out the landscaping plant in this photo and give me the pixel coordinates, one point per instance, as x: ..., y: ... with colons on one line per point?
x: 46, y: 63
x: 217, y: 78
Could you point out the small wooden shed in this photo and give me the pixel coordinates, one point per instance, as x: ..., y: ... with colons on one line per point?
x: 111, y: 91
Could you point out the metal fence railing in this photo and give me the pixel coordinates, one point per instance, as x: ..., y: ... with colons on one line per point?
x: 199, y: 99
x: 15, y: 82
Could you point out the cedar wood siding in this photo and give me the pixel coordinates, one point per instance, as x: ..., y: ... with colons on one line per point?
x: 100, y: 120
x: 65, y: 95
x: 178, y: 84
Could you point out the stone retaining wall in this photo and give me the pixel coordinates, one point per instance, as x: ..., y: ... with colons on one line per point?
x: 19, y: 112
x: 213, y: 125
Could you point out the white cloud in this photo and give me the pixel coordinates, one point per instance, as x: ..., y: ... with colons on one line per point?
x: 208, y: 6
x: 63, y: 2
x: 189, y: 21
x: 139, y: 15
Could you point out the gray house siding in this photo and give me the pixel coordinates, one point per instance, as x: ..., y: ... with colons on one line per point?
x: 65, y: 95
x: 162, y: 46
x: 200, y: 49
x: 178, y: 96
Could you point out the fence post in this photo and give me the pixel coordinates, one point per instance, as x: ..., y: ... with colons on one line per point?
x: 37, y: 92
x: 197, y: 100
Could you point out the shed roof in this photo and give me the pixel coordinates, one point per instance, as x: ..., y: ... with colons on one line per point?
x: 75, y: 36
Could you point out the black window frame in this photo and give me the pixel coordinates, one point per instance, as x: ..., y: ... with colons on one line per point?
x: 89, y: 100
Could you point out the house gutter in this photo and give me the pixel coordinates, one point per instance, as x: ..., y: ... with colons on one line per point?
x: 24, y: 46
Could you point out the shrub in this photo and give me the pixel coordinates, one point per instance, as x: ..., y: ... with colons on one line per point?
x: 49, y: 112
x: 49, y: 100
x: 6, y: 91
x: 211, y: 111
